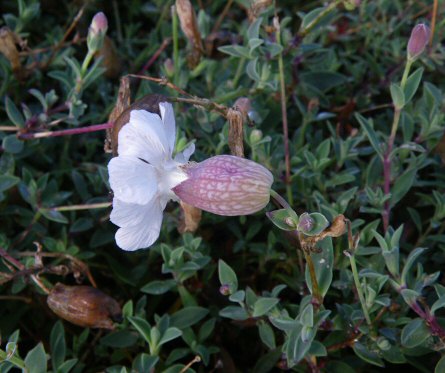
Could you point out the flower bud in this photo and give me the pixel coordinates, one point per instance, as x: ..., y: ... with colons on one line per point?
x: 84, y: 306
x: 226, y: 185
x: 169, y: 67
x: 97, y: 31
x: 420, y: 36
x: 256, y: 136
x: 224, y: 290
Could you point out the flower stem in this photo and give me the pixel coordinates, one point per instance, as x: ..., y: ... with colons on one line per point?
x: 175, y: 43
x: 72, y: 131
x: 287, y: 179
x: 4, y: 356
x: 314, y: 282
x: 387, y: 156
x: 359, y: 289
x: 91, y: 206
x: 351, y: 255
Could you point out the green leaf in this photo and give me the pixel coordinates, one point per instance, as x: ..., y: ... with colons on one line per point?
x: 35, y: 360
x: 440, y: 366
x: 14, y: 114
x: 369, y: 356
x: 170, y: 334
x: 145, y: 363
x: 323, y: 80
x: 252, y: 70
x: 234, y: 313
x: 370, y: 133
x: 120, y: 339
x: 286, y: 220
x: 440, y: 303
x: 412, y: 257
x: 142, y: 326
x: 58, y: 344
x: 253, y: 32
x: 412, y: 84
x: 227, y: 276
x: 235, y: 51
x: 8, y: 181
x: 402, y: 185
x: 397, y: 95
x: 54, y: 215
x: 414, y: 333
x: 264, y: 305
x: 188, y: 316
x: 12, y: 144
x: 323, y: 263
x: 307, y: 316
x: 158, y: 287
x: 267, y: 335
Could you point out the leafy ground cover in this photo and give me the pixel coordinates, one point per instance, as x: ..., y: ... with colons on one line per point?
x: 341, y: 272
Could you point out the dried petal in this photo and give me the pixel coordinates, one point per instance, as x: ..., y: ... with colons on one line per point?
x: 190, y: 218
x: 84, y: 306
x: 226, y: 185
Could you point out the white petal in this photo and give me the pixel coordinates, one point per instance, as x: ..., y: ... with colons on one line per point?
x: 127, y: 214
x: 184, y: 156
x: 168, y: 117
x: 145, y: 232
x: 132, y: 180
x: 144, y: 137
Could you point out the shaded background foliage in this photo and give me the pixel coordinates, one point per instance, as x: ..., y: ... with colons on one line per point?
x: 340, y: 67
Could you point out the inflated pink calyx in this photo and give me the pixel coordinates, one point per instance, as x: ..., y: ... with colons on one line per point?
x: 226, y: 185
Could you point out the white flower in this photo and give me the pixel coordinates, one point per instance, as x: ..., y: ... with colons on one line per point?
x: 143, y: 175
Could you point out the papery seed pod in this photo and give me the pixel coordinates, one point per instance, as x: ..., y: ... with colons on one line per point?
x: 420, y: 35
x: 226, y: 185
x: 189, y: 26
x: 8, y: 48
x: 84, y: 306
x: 337, y: 228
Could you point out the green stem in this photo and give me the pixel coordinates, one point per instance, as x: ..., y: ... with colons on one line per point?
x: 314, y: 282
x: 284, y: 115
x: 280, y: 200
x: 239, y: 71
x: 101, y: 205
x: 408, y: 64
x: 86, y: 63
x: 19, y: 363
x: 318, y: 18
x: 175, y: 44
x: 358, y: 286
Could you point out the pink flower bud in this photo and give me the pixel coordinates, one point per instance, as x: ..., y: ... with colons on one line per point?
x: 418, y: 40
x: 226, y: 185
x: 99, y: 24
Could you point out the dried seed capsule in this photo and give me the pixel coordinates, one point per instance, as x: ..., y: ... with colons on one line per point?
x: 84, y: 306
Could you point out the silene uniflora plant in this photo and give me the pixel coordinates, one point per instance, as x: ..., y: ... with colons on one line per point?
x: 305, y: 166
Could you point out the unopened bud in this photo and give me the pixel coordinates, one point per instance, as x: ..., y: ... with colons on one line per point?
x: 97, y: 31
x: 84, y: 306
x: 169, y: 68
x: 255, y: 136
x: 226, y: 185
x: 306, y: 223
x: 420, y: 35
x: 224, y: 289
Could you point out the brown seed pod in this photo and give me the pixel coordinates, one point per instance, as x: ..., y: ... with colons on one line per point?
x: 149, y: 103
x: 84, y: 306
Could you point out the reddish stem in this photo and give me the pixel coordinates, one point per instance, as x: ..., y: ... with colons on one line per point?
x: 72, y: 131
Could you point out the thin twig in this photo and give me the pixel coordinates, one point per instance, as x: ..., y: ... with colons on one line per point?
x: 88, y: 206
x: 72, y: 131
x: 433, y: 22
x: 65, y: 36
x: 287, y: 179
x: 221, y: 17
x: 197, y: 359
x: 156, y: 55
